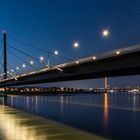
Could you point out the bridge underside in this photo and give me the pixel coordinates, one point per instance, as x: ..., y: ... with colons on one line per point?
x: 119, y: 65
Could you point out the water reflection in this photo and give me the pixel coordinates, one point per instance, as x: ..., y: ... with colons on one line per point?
x: 106, y: 111
x: 4, y: 99
x: 36, y: 104
x: 17, y: 125
x: 62, y: 105
x: 27, y: 102
x: 95, y: 113
x: 13, y: 126
x: 134, y: 102
x: 12, y: 101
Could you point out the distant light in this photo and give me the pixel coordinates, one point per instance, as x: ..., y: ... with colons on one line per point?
x: 1, y: 75
x: 76, y: 45
x: 23, y: 65
x: 8, y: 72
x: 12, y: 70
x: 118, y: 52
x: 15, y: 78
x: 94, y: 58
x: 105, y: 33
x: 90, y: 89
x: 11, y: 74
x: 31, y: 62
x: 56, y: 52
x: 17, y: 68
x: 77, y: 62
x: 41, y: 58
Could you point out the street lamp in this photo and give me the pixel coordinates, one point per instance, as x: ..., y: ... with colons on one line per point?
x: 17, y: 68
x: 105, y: 33
x: 94, y: 57
x: 56, y: 52
x: 23, y: 65
x: 41, y: 58
x: 118, y: 52
x: 77, y: 62
x: 31, y: 62
x: 76, y: 45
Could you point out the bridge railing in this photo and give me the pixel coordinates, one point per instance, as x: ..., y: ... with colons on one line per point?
x: 103, y: 56
x: 113, y: 53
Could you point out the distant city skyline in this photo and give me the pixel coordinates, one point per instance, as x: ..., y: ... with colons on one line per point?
x: 73, y: 28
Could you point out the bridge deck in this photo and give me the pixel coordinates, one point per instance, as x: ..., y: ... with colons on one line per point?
x: 119, y: 62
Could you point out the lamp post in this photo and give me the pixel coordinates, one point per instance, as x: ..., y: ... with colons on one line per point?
x: 48, y: 56
x: 105, y: 33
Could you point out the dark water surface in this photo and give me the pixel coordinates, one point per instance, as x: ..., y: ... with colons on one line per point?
x: 115, y: 116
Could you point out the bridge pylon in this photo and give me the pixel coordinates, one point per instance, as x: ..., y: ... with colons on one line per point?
x: 5, y: 61
x: 5, y: 55
x: 105, y: 84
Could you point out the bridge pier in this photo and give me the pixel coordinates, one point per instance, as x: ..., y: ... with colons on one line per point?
x: 105, y: 84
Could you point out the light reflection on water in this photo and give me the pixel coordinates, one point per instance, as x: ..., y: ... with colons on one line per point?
x: 106, y: 109
x: 108, y: 115
x: 18, y: 125
x: 11, y: 127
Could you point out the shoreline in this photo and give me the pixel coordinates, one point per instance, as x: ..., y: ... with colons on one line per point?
x: 47, y: 93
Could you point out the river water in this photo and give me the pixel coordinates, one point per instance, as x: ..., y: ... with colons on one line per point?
x: 113, y: 116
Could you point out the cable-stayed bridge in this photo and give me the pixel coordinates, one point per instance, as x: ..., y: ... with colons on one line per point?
x: 121, y: 62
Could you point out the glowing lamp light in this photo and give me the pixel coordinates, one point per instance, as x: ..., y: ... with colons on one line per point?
x: 118, y: 52
x: 41, y: 58
x: 90, y: 89
x: 17, y: 68
x: 105, y: 33
x: 56, y: 52
x: 15, y: 78
x: 31, y: 62
x: 77, y: 62
x: 94, y: 57
x: 76, y: 45
x: 23, y: 65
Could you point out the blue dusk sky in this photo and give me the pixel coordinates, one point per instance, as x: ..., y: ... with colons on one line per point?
x: 57, y: 24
